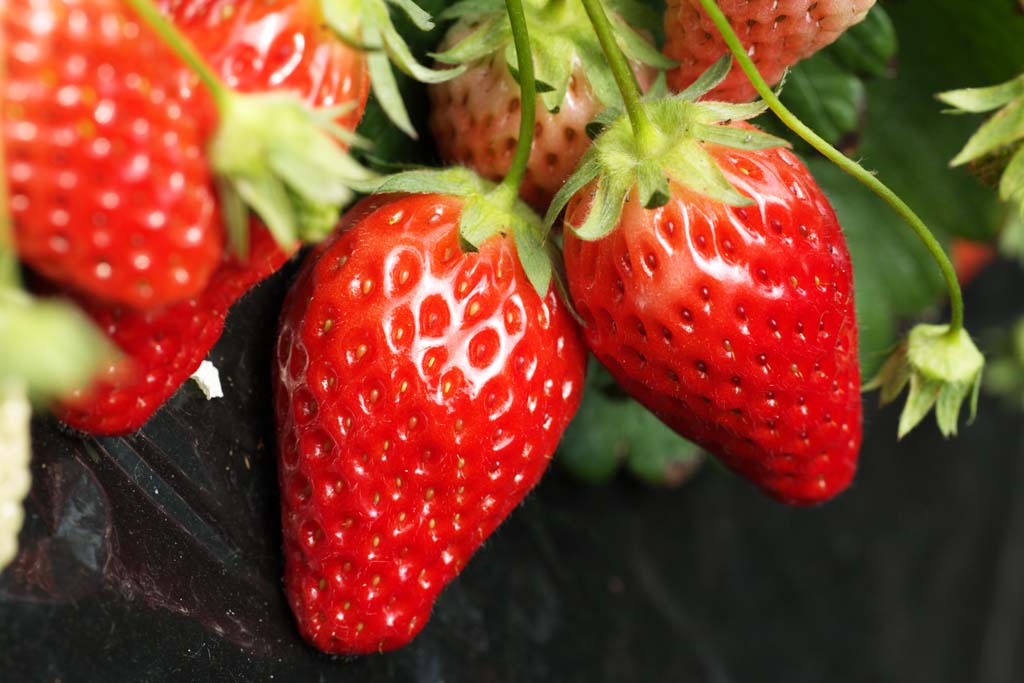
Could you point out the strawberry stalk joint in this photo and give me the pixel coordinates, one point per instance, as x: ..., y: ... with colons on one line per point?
x: 271, y: 152
x: 940, y: 370
x: 367, y: 25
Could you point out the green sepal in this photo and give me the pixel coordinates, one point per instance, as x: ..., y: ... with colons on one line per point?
x: 488, y: 210
x: 942, y: 368
x: 285, y: 162
x: 366, y: 25
x: 48, y: 344
x: 15, y: 454
x: 1011, y: 187
x: 672, y: 151
x: 981, y: 100
x: 708, y: 80
x: 998, y: 145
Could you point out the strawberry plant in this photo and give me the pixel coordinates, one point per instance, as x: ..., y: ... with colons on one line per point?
x: 666, y: 191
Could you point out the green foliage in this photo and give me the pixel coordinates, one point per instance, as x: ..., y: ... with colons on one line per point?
x: 611, y: 431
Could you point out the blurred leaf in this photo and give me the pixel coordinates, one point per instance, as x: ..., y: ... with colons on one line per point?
x: 611, y: 431
x: 867, y: 47
x: 825, y: 96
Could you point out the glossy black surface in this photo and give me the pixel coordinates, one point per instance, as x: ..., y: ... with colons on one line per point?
x: 155, y: 558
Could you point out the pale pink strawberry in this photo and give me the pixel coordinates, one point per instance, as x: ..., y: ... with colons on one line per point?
x: 475, y: 117
x: 776, y: 33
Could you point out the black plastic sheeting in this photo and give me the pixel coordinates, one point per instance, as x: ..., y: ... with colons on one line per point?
x: 156, y: 558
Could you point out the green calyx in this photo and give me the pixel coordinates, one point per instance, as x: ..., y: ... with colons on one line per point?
x: 561, y: 39
x: 489, y: 210
x: 671, y: 149
x: 943, y: 369
x: 998, y: 145
x: 283, y: 160
x: 366, y: 25
x: 48, y: 344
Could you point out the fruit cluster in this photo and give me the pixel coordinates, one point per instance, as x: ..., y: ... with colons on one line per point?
x: 163, y: 157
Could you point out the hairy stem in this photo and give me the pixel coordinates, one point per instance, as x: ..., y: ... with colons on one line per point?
x: 527, y: 98
x: 181, y: 46
x: 842, y: 161
x: 625, y: 79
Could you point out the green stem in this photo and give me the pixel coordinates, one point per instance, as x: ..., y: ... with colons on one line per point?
x: 625, y: 79
x: 842, y: 161
x: 181, y: 46
x: 527, y: 99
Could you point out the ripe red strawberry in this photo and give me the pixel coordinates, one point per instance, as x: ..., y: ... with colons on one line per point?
x: 475, y: 116
x: 776, y: 33
x: 420, y: 394
x: 735, y: 325
x: 255, y: 46
x: 161, y: 348
x: 258, y: 45
x: 110, y: 192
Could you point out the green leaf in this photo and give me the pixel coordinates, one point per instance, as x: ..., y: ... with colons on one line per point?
x: 867, y: 47
x: 825, y: 96
x: 611, y: 430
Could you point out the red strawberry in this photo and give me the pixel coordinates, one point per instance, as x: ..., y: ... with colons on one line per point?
x: 776, y: 33
x: 420, y: 394
x: 162, y: 348
x: 285, y: 49
x: 475, y: 117
x: 258, y: 45
x: 735, y: 325
x: 110, y: 192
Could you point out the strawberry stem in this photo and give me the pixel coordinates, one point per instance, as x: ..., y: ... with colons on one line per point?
x: 181, y: 46
x: 527, y: 99
x: 625, y: 79
x: 842, y: 161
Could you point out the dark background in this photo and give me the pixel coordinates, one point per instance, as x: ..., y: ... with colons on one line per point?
x: 155, y: 558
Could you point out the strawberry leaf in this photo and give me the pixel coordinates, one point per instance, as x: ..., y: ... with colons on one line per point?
x: 612, y: 431
x: 867, y: 47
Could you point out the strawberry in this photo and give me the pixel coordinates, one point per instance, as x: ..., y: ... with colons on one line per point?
x: 258, y: 45
x: 286, y: 50
x: 475, y: 116
x: 110, y: 192
x: 420, y: 394
x: 716, y: 287
x: 777, y: 34
x: 161, y: 348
